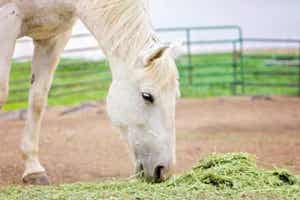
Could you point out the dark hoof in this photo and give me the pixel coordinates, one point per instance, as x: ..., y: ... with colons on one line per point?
x: 39, y: 178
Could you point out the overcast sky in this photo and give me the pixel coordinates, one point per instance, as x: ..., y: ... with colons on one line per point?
x: 258, y: 18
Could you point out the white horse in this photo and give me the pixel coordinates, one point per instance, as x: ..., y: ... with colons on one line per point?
x: 141, y: 100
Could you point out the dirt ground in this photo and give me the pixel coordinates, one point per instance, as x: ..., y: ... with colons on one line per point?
x: 82, y: 145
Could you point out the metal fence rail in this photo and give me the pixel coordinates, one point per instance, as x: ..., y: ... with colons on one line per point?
x: 284, y: 63
x: 234, y: 70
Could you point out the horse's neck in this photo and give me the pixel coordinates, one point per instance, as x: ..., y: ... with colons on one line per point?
x: 121, y: 37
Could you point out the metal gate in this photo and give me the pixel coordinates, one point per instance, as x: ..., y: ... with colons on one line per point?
x: 218, y: 61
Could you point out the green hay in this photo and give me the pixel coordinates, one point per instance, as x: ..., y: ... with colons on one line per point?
x: 218, y: 176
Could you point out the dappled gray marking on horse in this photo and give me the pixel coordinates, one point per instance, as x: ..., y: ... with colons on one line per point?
x: 142, y: 96
x: 32, y: 79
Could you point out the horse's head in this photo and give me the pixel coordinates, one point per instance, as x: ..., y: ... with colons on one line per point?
x: 141, y: 102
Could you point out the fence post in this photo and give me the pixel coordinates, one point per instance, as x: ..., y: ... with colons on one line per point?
x: 241, y: 40
x: 234, y: 66
x: 189, y: 51
x: 299, y: 70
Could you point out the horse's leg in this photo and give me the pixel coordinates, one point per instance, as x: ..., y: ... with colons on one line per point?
x: 10, y: 25
x: 45, y: 60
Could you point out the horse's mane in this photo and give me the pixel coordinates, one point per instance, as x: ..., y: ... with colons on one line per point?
x: 127, y: 24
x: 128, y: 31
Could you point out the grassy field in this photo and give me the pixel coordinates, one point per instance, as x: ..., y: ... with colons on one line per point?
x: 233, y: 176
x: 210, y: 75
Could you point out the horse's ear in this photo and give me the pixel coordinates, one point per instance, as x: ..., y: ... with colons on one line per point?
x: 154, y: 54
x: 174, y: 49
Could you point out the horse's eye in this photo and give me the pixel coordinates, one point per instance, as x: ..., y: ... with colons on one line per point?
x: 148, y: 97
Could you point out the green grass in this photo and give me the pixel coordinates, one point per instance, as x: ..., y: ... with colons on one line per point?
x: 232, y: 176
x: 74, y: 81
x: 210, y: 75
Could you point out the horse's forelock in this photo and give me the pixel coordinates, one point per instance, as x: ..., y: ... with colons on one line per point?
x: 163, y: 73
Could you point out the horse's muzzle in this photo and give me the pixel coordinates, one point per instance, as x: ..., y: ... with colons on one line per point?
x: 159, y: 174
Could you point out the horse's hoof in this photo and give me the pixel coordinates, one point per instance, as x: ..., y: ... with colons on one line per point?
x: 39, y: 178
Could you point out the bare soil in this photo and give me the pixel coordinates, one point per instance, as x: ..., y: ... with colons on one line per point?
x: 82, y: 145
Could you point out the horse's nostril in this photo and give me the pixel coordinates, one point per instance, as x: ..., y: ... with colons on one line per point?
x: 158, y: 174
x: 140, y: 170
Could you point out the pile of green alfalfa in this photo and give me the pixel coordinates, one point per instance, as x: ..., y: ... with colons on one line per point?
x: 237, y: 175
x: 218, y: 176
